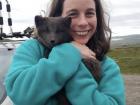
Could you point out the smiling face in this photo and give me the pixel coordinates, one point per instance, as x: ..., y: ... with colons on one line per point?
x: 84, y: 21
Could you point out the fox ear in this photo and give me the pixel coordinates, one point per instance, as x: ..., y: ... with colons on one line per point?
x: 38, y: 20
x: 68, y: 21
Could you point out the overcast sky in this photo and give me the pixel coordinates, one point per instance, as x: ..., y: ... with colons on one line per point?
x: 125, y: 14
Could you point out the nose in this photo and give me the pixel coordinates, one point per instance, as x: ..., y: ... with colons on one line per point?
x: 82, y: 21
x: 52, y: 41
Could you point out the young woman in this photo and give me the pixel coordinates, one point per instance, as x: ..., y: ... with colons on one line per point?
x: 33, y: 79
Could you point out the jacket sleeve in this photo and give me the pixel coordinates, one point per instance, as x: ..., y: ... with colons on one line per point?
x: 82, y: 88
x: 32, y: 80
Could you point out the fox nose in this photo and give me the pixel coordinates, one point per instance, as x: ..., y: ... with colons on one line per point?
x: 52, y: 41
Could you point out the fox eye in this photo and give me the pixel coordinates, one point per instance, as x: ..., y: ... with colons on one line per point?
x: 59, y: 31
x: 43, y: 29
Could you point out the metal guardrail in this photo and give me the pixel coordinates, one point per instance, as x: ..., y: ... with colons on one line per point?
x: 26, y: 33
x: 10, y: 45
x: 12, y: 41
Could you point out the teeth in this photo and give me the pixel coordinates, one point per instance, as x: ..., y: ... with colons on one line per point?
x: 82, y: 33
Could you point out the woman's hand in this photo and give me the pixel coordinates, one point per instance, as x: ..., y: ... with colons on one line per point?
x: 84, y: 50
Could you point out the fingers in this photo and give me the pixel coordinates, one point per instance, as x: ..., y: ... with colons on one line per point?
x: 85, y: 51
x: 92, y: 54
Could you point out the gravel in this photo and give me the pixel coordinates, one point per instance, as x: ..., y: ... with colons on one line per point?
x: 132, y: 83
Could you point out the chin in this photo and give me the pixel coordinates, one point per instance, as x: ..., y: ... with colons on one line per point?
x: 82, y: 41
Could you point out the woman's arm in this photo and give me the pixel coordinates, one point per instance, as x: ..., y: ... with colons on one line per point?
x: 32, y: 79
x: 82, y: 89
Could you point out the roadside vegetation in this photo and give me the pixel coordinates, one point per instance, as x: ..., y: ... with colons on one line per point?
x: 128, y: 58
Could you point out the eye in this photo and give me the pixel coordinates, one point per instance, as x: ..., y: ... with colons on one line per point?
x: 72, y: 14
x: 59, y: 30
x: 90, y: 13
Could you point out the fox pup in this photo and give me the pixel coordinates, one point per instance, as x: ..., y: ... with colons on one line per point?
x: 52, y: 31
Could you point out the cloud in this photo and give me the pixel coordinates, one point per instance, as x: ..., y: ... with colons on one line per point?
x: 132, y: 19
x: 125, y: 14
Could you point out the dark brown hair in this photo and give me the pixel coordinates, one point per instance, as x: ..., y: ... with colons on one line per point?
x: 100, y: 42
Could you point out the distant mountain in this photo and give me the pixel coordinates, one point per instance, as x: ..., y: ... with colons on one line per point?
x: 124, y: 41
x: 116, y: 41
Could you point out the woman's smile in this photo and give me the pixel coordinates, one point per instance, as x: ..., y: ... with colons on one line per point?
x: 81, y: 33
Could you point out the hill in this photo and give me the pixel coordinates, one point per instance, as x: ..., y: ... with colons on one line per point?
x: 124, y: 41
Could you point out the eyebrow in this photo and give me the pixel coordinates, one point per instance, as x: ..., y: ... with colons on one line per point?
x: 75, y: 10
x: 91, y: 9
x: 72, y: 10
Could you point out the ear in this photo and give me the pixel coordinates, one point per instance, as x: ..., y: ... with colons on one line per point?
x: 38, y: 20
x: 68, y: 21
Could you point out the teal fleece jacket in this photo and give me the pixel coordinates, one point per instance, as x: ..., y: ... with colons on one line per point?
x: 32, y: 79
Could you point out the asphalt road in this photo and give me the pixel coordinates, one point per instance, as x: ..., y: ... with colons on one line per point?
x: 5, y: 59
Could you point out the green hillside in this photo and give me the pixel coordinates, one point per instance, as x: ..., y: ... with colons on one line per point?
x: 128, y: 58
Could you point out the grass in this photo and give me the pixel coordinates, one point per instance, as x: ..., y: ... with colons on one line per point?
x: 128, y: 59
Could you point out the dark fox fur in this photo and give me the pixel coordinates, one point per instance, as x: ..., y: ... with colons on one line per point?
x: 54, y: 31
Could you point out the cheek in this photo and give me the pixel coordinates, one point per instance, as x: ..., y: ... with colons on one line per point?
x: 93, y: 22
x: 75, y: 22
x: 72, y: 24
x: 94, y: 26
